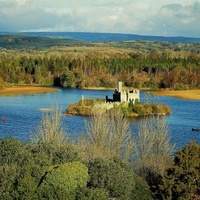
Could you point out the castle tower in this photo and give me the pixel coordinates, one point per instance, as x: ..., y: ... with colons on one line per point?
x: 120, y: 86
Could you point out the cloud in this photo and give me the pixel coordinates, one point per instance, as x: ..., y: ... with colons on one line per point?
x: 147, y: 17
x: 180, y: 19
x: 23, y: 14
x: 170, y: 9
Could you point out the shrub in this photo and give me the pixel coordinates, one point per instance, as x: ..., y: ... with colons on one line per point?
x: 151, y: 109
x: 62, y: 181
x: 118, y: 179
x: 54, y: 154
x: 92, y: 194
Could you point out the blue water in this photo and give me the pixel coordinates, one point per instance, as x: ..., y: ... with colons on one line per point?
x: 23, y: 114
x: 103, y: 37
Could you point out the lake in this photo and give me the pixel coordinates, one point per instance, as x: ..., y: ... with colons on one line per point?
x: 23, y: 114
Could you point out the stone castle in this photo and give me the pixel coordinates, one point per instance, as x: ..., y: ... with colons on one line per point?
x: 124, y: 95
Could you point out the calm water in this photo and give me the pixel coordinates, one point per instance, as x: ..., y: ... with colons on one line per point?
x: 23, y: 114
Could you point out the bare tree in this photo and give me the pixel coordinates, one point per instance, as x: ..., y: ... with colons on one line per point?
x: 154, y: 149
x: 50, y: 129
x: 107, y: 135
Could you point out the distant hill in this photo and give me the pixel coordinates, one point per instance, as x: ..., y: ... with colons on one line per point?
x: 105, y: 37
x: 45, y: 40
x: 21, y: 41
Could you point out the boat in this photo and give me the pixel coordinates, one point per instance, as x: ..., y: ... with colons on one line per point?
x: 195, y: 129
x: 3, y: 119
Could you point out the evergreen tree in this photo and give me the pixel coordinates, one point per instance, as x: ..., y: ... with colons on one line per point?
x: 182, y: 179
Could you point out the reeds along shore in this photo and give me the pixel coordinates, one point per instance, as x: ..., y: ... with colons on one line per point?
x: 183, y: 94
x: 26, y: 90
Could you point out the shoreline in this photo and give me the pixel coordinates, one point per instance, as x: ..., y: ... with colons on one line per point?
x: 26, y: 89
x: 182, y: 94
x: 38, y: 89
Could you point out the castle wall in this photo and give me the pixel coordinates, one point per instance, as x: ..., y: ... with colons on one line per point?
x: 124, y: 95
x: 130, y: 95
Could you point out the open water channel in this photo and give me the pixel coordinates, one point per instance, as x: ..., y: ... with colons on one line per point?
x: 23, y: 114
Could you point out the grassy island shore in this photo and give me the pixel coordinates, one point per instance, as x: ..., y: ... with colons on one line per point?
x: 183, y: 94
x: 26, y: 89
x: 87, y: 107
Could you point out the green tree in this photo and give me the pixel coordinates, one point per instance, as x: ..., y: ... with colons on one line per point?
x: 11, y: 151
x: 20, y: 170
x: 67, y: 79
x: 38, y: 75
x: 182, y: 179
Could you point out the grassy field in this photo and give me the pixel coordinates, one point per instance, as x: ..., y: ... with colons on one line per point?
x: 183, y: 94
x: 17, y: 90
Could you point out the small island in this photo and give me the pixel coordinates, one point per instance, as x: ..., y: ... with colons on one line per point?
x: 128, y: 101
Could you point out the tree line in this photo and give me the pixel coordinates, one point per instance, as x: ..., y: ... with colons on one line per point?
x: 166, y: 69
x: 106, y: 162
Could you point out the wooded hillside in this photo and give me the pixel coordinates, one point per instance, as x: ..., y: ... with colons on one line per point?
x: 138, y: 64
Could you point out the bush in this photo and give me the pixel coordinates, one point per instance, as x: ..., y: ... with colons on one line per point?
x: 151, y: 109
x: 118, y: 179
x: 139, y: 109
x: 92, y: 194
x: 55, y: 154
x: 62, y: 181
x: 22, y: 166
x: 11, y: 151
x: 19, y: 171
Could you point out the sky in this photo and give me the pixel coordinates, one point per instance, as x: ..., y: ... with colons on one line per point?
x: 144, y: 17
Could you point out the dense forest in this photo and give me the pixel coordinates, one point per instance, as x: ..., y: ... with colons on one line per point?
x: 83, y: 67
x: 106, y: 163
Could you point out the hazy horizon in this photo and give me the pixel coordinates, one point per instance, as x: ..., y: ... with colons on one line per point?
x: 133, y: 34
